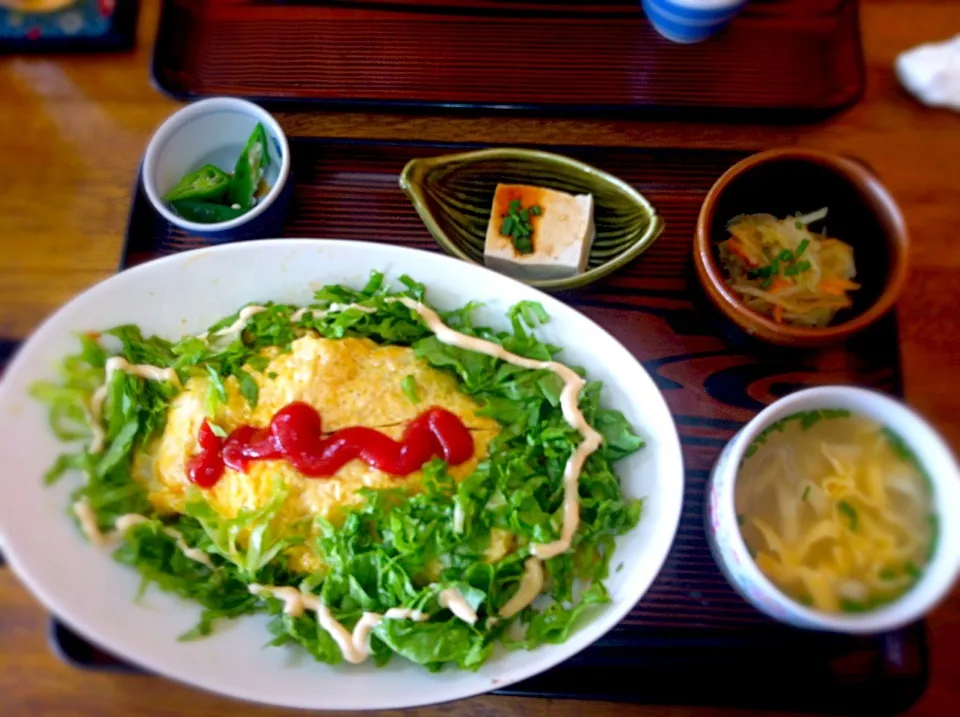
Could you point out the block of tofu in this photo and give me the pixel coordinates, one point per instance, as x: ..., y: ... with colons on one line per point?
x: 563, y: 233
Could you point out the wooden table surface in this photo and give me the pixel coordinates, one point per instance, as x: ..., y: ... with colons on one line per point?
x: 72, y: 131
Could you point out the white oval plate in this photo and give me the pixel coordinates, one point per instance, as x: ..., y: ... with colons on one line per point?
x: 184, y: 294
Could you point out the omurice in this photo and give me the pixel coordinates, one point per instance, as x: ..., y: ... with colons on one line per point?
x: 350, y: 382
x: 381, y: 478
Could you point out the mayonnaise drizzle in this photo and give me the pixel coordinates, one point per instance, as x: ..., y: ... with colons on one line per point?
x: 458, y: 518
x: 530, y: 586
x: 243, y: 318
x: 97, y: 434
x: 355, y: 645
x: 332, y: 309
x: 88, y: 524
x: 248, y: 312
x: 405, y: 613
x: 294, y: 601
x: 452, y: 600
x: 569, y: 404
x: 125, y: 522
x: 114, y: 364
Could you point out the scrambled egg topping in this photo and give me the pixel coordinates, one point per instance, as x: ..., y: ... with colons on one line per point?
x: 351, y: 382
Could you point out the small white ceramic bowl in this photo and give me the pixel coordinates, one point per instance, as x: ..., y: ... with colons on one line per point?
x: 730, y: 551
x: 215, y: 131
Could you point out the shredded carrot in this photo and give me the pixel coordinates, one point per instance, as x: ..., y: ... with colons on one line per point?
x: 779, y: 284
x: 787, y: 272
x: 737, y: 248
x: 836, y: 287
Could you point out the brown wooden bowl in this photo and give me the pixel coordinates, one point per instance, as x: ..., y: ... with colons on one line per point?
x: 782, y: 182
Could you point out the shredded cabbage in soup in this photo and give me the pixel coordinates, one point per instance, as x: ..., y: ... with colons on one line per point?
x: 836, y: 510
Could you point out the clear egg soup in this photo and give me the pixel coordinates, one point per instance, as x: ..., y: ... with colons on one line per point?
x: 836, y: 510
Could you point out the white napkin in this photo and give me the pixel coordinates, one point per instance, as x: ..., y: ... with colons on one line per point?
x: 931, y: 73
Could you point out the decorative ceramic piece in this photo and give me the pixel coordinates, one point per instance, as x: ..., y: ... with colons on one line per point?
x: 30, y: 26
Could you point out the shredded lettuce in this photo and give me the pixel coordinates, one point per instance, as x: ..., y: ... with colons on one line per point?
x: 395, y: 549
x: 222, y: 592
x: 249, y: 540
x: 68, y: 402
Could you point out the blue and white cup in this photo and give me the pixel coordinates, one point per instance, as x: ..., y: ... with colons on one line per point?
x: 689, y: 21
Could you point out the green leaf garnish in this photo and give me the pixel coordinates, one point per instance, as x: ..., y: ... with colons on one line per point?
x: 517, y: 225
x: 217, y: 431
x: 850, y: 512
x: 409, y: 386
x: 807, y: 419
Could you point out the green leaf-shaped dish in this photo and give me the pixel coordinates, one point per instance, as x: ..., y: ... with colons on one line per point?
x: 453, y: 195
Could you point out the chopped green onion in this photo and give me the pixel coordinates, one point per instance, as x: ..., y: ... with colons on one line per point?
x: 806, y: 492
x: 766, y: 282
x: 791, y: 270
x: 409, y: 386
x: 851, y: 513
x: 798, y: 225
x: 804, y: 266
x: 808, y: 419
x: 853, y: 606
x: 517, y: 225
x: 217, y: 431
x: 785, y: 255
x: 803, y: 247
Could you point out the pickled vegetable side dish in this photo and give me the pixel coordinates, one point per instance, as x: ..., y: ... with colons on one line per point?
x: 209, y: 195
x: 784, y: 270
